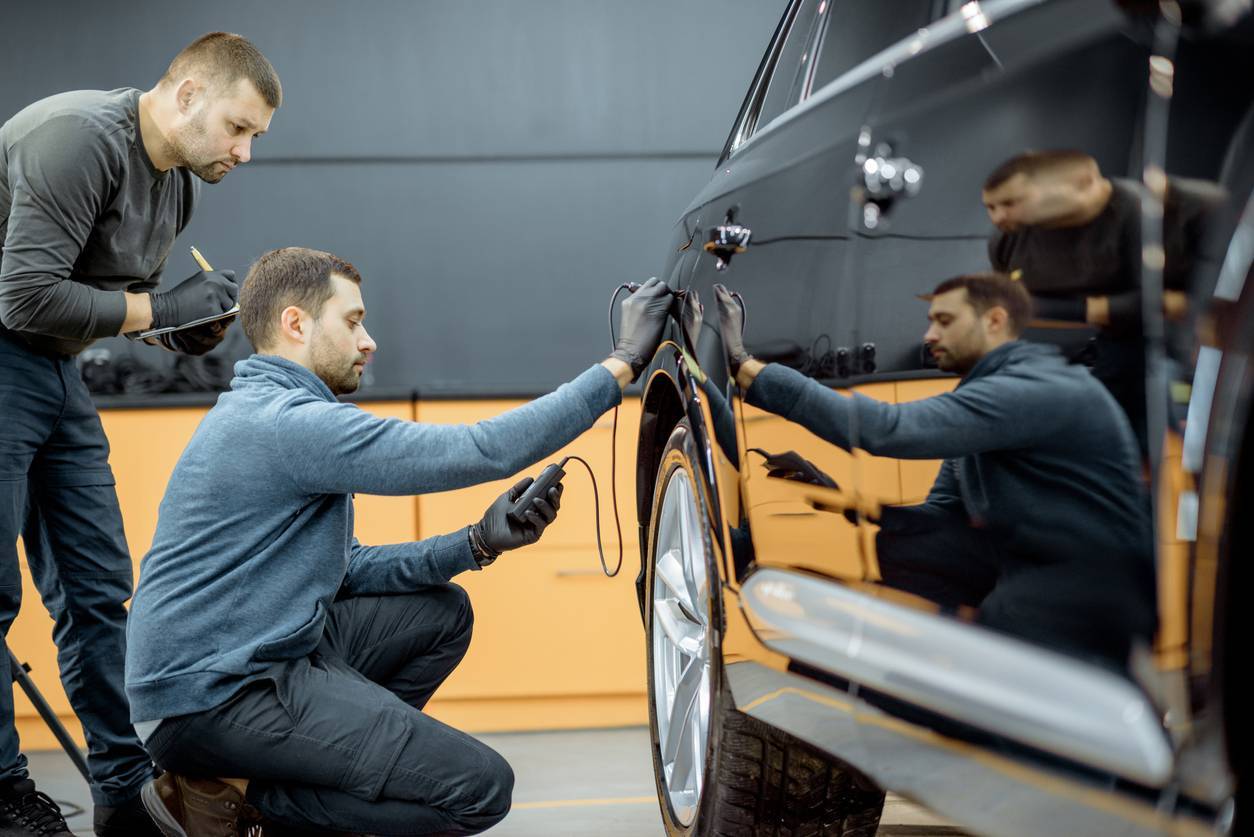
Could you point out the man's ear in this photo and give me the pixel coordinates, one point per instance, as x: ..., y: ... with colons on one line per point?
x: 294, y: 324
x: 997, y: 320
x: 187, y: 95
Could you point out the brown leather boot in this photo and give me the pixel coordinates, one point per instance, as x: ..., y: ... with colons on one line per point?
x: 186, y: 807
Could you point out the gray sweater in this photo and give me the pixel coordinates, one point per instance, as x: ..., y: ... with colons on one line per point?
x: 1036, y: 451
x: 255, y: 538
x: 84, y: 215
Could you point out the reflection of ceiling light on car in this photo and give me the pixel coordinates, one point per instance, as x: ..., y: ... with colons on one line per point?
x: 974, y: 16
x: 777, y: 590
x: 823, y: 7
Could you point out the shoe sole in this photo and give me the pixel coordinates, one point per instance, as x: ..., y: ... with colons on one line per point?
x: 160, y: 814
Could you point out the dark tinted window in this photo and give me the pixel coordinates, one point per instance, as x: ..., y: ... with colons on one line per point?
x: 784, y: 88
x: 857, y: 29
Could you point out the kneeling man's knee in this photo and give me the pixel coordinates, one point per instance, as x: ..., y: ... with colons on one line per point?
x: 490, y: 798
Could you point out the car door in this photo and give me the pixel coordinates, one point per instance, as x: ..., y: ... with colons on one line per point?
x: 786, y: 178
x: 986, y: 82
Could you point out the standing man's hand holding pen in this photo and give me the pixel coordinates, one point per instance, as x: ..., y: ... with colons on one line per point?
x: 203, y: 294
x: 207, y: 293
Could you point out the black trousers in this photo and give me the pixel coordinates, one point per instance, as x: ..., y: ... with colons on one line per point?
x: 1089, y: 605
x: 338, y: 740
x: 57, y: 492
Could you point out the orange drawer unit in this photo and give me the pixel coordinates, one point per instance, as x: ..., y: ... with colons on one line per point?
x: 556, y: 643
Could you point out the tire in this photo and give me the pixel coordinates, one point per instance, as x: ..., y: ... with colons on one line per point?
x: 720, y: 773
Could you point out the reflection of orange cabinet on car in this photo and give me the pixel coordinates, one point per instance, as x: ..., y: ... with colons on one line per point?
x: 791, y: 525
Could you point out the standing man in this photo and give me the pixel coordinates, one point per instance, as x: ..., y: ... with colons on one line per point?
x: 1037, y: 515
x: 276, y: 661
x: 1073, y: 236
x: 94, y: 188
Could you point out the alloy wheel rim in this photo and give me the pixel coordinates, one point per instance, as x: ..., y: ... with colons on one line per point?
x: 681, y: 646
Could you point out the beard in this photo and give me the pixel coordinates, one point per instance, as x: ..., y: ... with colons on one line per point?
x: 337, y: 371
x: 190, y: 146
x: 959, y: 362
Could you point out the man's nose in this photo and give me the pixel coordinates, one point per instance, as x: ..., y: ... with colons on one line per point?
x: 366, y: 344
x: 243, y: 151
x: 930, y: 336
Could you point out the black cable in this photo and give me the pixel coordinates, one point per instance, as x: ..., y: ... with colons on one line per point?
x: 596, y: 499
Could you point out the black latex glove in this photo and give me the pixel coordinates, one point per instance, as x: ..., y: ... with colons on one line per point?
x: 203, y: 294
x: 693, y: 316
x: 498, y: 532
x: 644, y: 317
x: 791, y: 465
x: 731, y: 321
x: 198, y: 340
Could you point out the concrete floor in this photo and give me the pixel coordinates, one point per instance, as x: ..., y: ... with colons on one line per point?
x: 568, y: 783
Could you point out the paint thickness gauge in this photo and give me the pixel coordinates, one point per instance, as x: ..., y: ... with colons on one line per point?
x: 548, y: 478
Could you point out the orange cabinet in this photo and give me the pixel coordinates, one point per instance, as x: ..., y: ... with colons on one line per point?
x: 556, y: 643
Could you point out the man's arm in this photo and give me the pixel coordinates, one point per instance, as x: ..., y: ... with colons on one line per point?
x: 330, y: 447
x: 402, y: 567
x: 60, y: 176
x: 991, y: 413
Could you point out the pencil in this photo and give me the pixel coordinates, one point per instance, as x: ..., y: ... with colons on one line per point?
x: 200, y: 260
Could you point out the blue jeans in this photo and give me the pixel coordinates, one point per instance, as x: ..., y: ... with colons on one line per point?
x: 338, y: 741
x: 57, y: 492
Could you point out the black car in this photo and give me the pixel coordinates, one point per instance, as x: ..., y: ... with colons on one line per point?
x: 790, y: 687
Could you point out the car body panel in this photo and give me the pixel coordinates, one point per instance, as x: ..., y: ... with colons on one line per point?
x: 1081, y: 750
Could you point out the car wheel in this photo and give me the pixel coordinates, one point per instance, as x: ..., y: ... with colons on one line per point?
x: 719, y: 772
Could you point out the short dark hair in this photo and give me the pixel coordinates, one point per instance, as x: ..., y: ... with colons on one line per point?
x: 288, y: 276
x: 225, y: 59
x: 1032, y: 163
x: 987, y: 290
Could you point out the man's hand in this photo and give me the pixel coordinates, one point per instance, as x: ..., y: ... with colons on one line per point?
x: 791, y: 465
x: 204, y: 294
x: 198, y: 340
x: 644, y: 317
x: 497, y: 532
x: 731, y: 322
x: 862, y: 506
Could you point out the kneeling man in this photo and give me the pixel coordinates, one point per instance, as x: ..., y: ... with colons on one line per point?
x: 266, y: 643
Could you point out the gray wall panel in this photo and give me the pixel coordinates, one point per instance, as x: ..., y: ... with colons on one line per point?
x: 400, y: 77
x: 504, y: 268
x: 494, y: 168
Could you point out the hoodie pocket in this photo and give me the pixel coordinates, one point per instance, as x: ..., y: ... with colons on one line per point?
x: 296, y: 644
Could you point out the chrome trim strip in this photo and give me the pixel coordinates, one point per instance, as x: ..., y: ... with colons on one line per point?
x: 1205, y: 379
x: 973, y: 675
x: 1237, y: 260
x: 952, y: 25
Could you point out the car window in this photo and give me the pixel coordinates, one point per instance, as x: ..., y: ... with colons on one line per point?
x: 791, y: 68
x: 856, y: 30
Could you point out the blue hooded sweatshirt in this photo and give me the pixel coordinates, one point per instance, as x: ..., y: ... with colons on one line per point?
x: 255, y: 538
x: 1036, y: 450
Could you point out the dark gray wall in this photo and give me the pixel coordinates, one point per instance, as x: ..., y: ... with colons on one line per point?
x: 493, y: 168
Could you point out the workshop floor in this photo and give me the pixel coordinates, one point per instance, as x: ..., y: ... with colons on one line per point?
x: 582, y: 782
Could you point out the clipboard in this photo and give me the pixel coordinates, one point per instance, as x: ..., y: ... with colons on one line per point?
x: 154, y: 332
x: 230, y: 312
